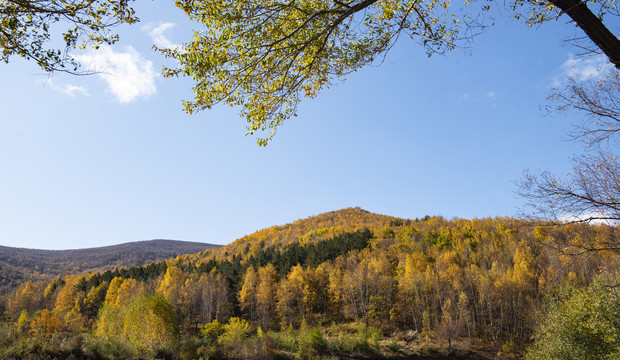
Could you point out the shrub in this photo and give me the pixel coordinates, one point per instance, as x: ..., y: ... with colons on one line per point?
x: 189, y: 348
x: 509, y: 348
x: 580, y: 325
x: 343, y: 344
x: 98, y: 348
x: 211, y: 331
x: 394, y: 346
x: 264, y: 348
x: 286, y: 340
x: 315, y: 340
x: 236, y: 330
x: 366, y: 333
x: 22, y: 321
x: 232, y: 343
x: 306, y: 352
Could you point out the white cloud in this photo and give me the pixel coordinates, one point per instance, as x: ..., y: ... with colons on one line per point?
x: 159, y: 38
x: 567, y: 217
x: 127, y: 74
x: 583, y: 68
x: 68, y: 89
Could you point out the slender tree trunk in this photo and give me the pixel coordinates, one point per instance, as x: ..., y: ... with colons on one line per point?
x: 593, y: 27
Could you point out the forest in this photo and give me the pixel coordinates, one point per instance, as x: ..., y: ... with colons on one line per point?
x: 344, y: 284
x: 17, y: 265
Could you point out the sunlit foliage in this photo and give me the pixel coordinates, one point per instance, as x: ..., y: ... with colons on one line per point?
x: 264, y: 56
x: 27, y: 28
x: 583, y: 324
x: 445, y: 281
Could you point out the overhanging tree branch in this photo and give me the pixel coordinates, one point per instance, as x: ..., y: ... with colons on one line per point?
x: 593, y: 26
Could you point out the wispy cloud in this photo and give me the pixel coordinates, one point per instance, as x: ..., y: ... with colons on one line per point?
x: 594, y: 215
x: 128, y: 75
x: 67, y: 89
x: 157, y: 34
x: 465, y: 97
x: 489, y: 97
x: 583, y: 69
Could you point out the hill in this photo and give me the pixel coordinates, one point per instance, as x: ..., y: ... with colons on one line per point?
x: 309, y: 230
x: 18, y: 265
x: 345, y: 284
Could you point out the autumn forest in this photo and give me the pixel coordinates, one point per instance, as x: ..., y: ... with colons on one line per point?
x: 347, y: 284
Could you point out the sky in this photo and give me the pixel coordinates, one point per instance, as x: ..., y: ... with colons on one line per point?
x: 105, y: 159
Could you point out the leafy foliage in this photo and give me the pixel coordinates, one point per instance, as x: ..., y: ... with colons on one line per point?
x: 265, y: 55
x: 580, y: 324
x: 26, y: 28
x: 147, y: 324
x: 45, y: 324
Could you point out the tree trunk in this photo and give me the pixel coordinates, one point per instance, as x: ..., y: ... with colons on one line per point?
x: 593, y: 27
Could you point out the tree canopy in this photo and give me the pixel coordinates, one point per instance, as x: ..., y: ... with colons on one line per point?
x: 265, y: 56
x: 452, y: 281
x: 27, y: 29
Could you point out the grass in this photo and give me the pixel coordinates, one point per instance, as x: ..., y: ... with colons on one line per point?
x: 318, y: 342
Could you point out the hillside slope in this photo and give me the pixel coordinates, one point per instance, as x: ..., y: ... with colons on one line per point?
x: 308, y: 230
x: 425, y: 285
x: 18, y: 265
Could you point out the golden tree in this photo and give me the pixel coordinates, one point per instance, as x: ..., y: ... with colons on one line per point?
x: 45, y: 324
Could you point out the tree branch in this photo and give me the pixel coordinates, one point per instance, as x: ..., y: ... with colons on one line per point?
x: 592, y: 26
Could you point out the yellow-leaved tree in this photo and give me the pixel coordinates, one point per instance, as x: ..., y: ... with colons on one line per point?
x: 264, y: 56
x: 289, y: 305
x: 248, y: 294
x: 266, y: 294
x: 148, y: 324
x: 171, y: 286
x: 45, y: 324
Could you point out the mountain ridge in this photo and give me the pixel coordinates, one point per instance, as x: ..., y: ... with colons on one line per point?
x: 304, y: 230
x: 110, y: 246
x: 18, y: 265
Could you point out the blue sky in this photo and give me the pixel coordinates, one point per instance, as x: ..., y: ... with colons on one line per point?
x: 106, y: 159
